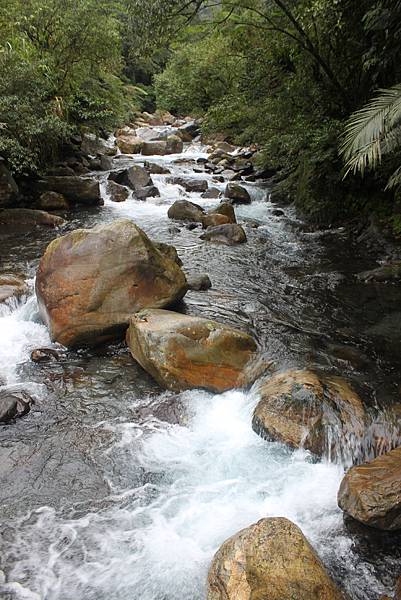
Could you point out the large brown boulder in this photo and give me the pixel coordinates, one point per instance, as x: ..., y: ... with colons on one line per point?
x: 52, y: 201
x: 117, y: 192
x: 302, y: 409
x: 90, y: 281
x: 183, y: 210
x: 184, y: 352
x: 8, y: 187
x: 190, y: 184
x: 212, y: 220
x: 371, y: 493
x: 229, y: 234
x: 270, y: 560
x: 74, y: 188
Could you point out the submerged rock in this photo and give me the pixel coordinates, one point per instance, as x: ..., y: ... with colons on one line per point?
x: 270, y: 560
x: 304, y: 410
x: 371, y: 492
x: 12, y: 286
x: 390, y: 272
x: 185, y: 352
x: 237, y: 194
x: 13, y: 404
x: 90, y: 281
x: 228, y: 234
x: 183, y: 210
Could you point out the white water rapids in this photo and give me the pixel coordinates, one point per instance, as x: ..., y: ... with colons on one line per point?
x: 208, y: 479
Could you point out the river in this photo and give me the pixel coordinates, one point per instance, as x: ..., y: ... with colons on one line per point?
x: 112, y: 489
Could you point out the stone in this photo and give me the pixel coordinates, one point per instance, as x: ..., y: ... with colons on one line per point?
x: 211, y: 194
x: 189, y: 184
x: 212, y: 220
x: 184, y: 352
x: 168, y: 251
x: 174, y: 145
x: 90, y: 281
x: 76, y: 189
x: 371, y: 492
x: 389, y: 272
x: 8, y: 188
x: 95, y: 145
x: 149, y: 134
x: 237, y: 194
x: 26, y: 219
x: 228, y: 234
x: 147, y: 192
x: 12, y: 286
x: 14, y: 404
x: 130, y: 144
x: 225, y: 208
x: 156, y: 169
x: 306, y: 410
x: 117, y: 192
x: 155, y: 148
x: 277, y: 212
x: 183, y: 210
x: 52, y: 201
x: 40, y: 355
x: 199, y: 283
x: 270, y: 560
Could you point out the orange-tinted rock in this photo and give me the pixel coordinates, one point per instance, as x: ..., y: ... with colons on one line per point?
x: 270, y: 560
x: 11, y: 286
x: 91, y: 281
x: 371, y: 492
x: 211, y: 220
x: 184, y: 352
x: 319, y: 413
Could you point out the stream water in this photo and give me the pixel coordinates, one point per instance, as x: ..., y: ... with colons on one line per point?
x: 114, y: 490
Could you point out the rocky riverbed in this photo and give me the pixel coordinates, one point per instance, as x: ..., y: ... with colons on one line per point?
x: 122, y: 482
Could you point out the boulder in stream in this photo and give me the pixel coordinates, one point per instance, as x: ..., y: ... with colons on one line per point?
x: 12, y: 286
x: 183, y: 210
x: 14, y: 404
x: 237, y: 194
x: 225, y: 208
x: 371, y: 492
x: 90, y: 281
x: 214, y: 219
x: 229, y: 234
x: 156, y: 169
x: 117, y: 192
x: 26, y: 219
x: 184, y: 352
x: 211, y: 193
x: 199, y: 283
x: 130, y: 143
x: 306, y: 410
x: 270, y: 560
x: 190, y: 184
x: 52, y: 201
x: 76, y: 189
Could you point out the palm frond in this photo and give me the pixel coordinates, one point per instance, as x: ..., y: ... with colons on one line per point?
x: 366, y: 133
x: 395, y: 180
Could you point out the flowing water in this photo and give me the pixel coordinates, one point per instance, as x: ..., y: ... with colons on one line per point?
x: 114, y: 490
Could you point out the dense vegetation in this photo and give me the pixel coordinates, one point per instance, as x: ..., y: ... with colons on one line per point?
x: 286, y: 74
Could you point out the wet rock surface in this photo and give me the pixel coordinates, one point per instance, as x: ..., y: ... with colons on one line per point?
x: 229, y: 234
x: 371, y: 492
x: 89, y: 282
x: 14, y: 404
x: 304, y: 410
x: 185, y: 352
x: 271, y: 560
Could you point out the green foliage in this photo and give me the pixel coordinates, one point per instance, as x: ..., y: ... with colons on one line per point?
x: 61, y: 62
